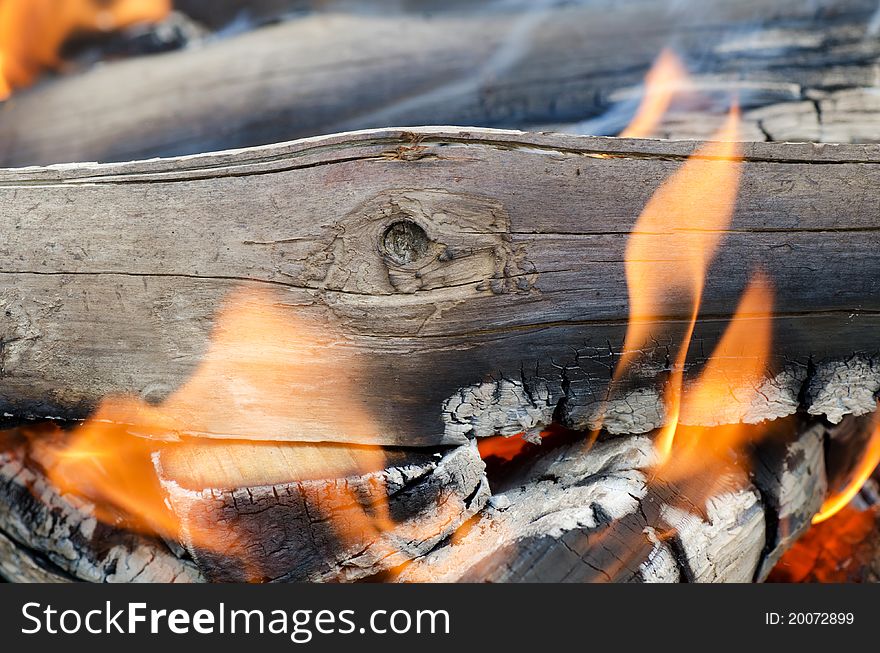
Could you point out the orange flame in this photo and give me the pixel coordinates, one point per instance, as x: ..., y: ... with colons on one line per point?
x: 32, y: 32
x: 667, y: 77
x: 111, y: 468
x: 264, y: 375
x: 736, y: 367
x: 868, y: 463
x: 686, y: 217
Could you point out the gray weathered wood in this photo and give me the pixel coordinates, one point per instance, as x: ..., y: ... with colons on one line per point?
x: 513, y: 310
x: 501, y: 67
x: 848, y: 115
x: 790, y: 474
x: 575, y: 518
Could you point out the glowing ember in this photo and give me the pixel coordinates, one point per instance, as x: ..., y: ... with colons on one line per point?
x: 838, y: 550
x: 32, y: 32
x: 868, y: 463
x: 685, y: 217
x: 666, y: 78
x: 505, y: 448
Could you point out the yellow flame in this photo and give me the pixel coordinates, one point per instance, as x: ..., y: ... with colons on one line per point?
x: 868, y: 463
x: 666, y: 78
x: 737, y: 366
x: 685, y: 219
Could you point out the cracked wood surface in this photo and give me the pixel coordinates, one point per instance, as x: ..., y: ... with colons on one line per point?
x: 790, y: 473
x: 601, y: 514
x: 569, y: 513
x: 845, y: 115
x: 498, y: 68
x: 50, y: 536
x: 112, y: 276
x: 246, y: 512
x: 317, y: 522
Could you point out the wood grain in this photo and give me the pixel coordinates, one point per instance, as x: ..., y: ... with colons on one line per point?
x: 113, y: 275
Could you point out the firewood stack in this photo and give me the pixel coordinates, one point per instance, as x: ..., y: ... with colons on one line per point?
x: 416, y: 353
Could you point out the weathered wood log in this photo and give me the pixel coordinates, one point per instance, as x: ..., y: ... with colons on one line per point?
x: 244, y: 512
x: 848, y: 115
x: 592, y: 517
x: 448, y: 283
x: 502, y: 67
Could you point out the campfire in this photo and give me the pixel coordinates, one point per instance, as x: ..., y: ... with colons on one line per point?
x: 619, y: 327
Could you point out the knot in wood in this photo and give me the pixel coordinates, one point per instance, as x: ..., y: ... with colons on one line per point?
x: 405, y: 241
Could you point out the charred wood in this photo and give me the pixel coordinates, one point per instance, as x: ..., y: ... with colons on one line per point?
x: 279, y: 521
x: 48, y: 536
x: 602, y: 515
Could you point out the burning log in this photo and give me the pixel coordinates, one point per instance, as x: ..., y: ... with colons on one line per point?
x: 246, y: 512
x: 791, y: 478
x: 328, y: 73
x: 573, y: 513
x: 597, y: 516
x: 418, y: 290
x: 291, y: 362
x: 226, y: 511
